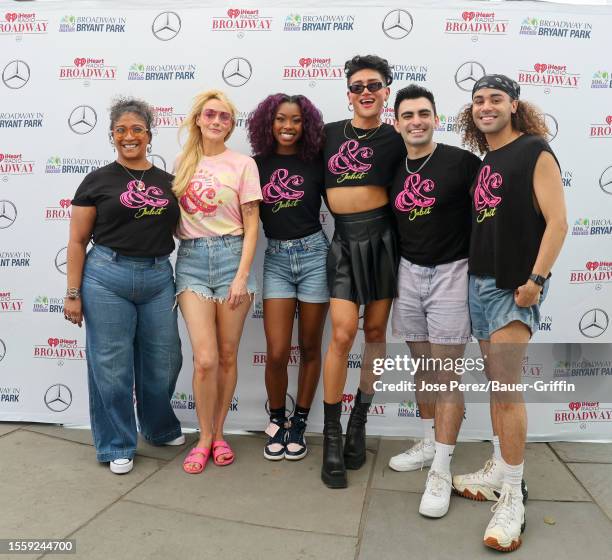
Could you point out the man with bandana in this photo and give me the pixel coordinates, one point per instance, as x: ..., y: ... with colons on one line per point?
x: 518, y: 227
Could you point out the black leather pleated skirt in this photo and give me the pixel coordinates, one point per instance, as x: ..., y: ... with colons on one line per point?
x: 364, y: 256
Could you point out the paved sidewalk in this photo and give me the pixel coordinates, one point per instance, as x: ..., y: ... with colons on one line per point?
x: 51, y: 486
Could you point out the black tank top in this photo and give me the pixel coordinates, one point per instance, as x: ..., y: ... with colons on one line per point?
x: 351, y: 162
x: 506, y: 228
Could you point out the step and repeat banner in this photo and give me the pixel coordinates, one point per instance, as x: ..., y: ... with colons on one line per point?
x: 61, y: 64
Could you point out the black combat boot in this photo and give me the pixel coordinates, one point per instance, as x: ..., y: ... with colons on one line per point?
x: 333, y: 473
x: 355, y: 445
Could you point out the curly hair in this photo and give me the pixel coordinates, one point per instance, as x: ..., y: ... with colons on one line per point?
x: 122, y: 105
x: 527, y: 119
x: 259, y: 126
x: 369, y: 61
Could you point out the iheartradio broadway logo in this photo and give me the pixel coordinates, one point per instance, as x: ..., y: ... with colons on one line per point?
x: 305, y: 62
x: 233, y: 13
x: 80, y: 61
x: 65, y: 203
x: 574, y: 406
x: 603, y: 130
x: 10, y: 17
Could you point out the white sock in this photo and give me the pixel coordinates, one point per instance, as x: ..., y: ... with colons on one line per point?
x: 513, y: 475
x: 429, y: 433
x: 496, y: 448
x: 442, y: 458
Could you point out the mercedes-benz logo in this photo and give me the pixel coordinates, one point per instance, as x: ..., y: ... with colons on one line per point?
x: 237, y: 72
x: 58, y: 397
x: 166, y: 26
x: 397, y: 24
x: 605, y: 181
x: 552, y: 125
x: 8, y: 214
x: 61, y: 259
x: 16, y: 74
x: 289, y: 405
x: 2, y: 349
x: 83, y: 119
x: 594, y: 323
x: 468, y: 74
x: 157, y: 161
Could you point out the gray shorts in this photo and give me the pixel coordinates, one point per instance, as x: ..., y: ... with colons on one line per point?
x: 432, y: 303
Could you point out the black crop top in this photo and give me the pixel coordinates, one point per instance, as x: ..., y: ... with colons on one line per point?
x: 350, y: 162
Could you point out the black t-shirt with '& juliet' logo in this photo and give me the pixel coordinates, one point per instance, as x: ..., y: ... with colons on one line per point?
x: 134, y: 218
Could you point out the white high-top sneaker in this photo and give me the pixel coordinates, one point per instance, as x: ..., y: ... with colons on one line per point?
x: 484, y: 484
x: 436, y: 497
x: 508, y: 521
x: 420, y: 455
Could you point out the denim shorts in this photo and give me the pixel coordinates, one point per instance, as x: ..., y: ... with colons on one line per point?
x: 296, y: 268
x: 207, y: 266
x: 432, y: 303
x: 492, y: 308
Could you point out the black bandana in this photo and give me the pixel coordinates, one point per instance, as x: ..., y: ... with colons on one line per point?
x: 498, y: 81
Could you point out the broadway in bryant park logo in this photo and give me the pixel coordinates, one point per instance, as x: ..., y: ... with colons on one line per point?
x: 14, y: 23
x: 476, y: 23
x: 582, y: 368
x: 59, y: 213
x: 167, y: 117
x: 45, y: 304
x: 161, y: 72
x: 314, y: 69
x: 548, y: 75
x: 409, y: 72
x: 602, y: 79
x: 408, y: 409
x: 21, y: 120
x: 92, y: 24
x: 601, y: 130
x: 15, y: 164
x: 593, y: 272
x: 9, y: 395
x: 15, y: 259
x: 238, y: 19
x: 83, y: 68
x: 566, y: 29
x: 57, y: 164
x: 592, y: 226
x: 319, y: 22
x: 9, y: 303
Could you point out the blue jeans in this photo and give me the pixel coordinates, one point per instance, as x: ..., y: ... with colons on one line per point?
x: 297, y: 268
x: 132, y: 342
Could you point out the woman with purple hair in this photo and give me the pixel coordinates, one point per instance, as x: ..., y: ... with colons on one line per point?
x: 286, y: 134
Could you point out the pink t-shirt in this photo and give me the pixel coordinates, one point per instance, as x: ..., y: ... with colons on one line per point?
x: 211, y: 204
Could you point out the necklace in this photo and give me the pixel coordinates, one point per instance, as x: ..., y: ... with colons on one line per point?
x: 423, y: 164
x: 365, y: 136
x: 140, y: 186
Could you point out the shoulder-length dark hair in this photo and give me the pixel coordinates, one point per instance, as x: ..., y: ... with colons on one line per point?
x: 259, y: 126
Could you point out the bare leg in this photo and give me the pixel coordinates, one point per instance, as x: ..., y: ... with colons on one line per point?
x: 426, y: 400
x: 310, y: 328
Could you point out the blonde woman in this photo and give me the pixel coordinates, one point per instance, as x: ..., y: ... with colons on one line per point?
x: 219, y: 193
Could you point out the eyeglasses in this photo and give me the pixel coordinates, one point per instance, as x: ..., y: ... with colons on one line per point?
x: 135, y: 130
x: 371, y: 87
x: 211, y: 115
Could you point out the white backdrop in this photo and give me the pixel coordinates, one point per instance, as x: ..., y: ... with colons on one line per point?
x: 62, y: 63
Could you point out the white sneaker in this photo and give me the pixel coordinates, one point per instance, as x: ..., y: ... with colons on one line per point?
x: 485, y: 484
x: 176, y: 441
x: 121, y: 466
x: 418, y: 456
x: 436, y: 497
x: 508, y: 522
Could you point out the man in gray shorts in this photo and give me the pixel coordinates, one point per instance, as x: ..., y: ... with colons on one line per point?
x: 430, y: 198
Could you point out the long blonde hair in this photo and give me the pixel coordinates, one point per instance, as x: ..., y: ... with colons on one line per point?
x: 192, y: 150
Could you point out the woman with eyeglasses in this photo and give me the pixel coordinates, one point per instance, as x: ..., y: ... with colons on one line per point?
x: 361, y: 157
x: 124, y: 289
x: 286, y: 134
x: 219, y: 193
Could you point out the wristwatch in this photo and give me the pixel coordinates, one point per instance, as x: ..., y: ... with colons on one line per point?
x: 539, y: 280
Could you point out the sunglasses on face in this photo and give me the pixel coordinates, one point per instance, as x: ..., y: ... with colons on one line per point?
x: 371, y: 87
x: 136, y: 131
x: 211, y: 115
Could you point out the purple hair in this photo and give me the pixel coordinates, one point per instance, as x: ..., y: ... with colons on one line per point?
x: 259, y: 126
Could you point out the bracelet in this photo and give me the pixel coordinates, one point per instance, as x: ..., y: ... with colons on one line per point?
x: 73, y: 293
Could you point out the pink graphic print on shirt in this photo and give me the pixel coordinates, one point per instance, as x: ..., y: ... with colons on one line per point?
x: 347, y: 158
x: 278, y: 187
x: 412, y: 200
x: 199, y: 197
x: 485, y: 202
x: 134, y: 197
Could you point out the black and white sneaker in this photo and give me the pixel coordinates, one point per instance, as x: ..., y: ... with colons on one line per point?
x: 275, y: 446
x: 295, y: 447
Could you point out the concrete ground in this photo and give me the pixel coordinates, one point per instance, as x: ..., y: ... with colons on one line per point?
x: 52, y: 487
